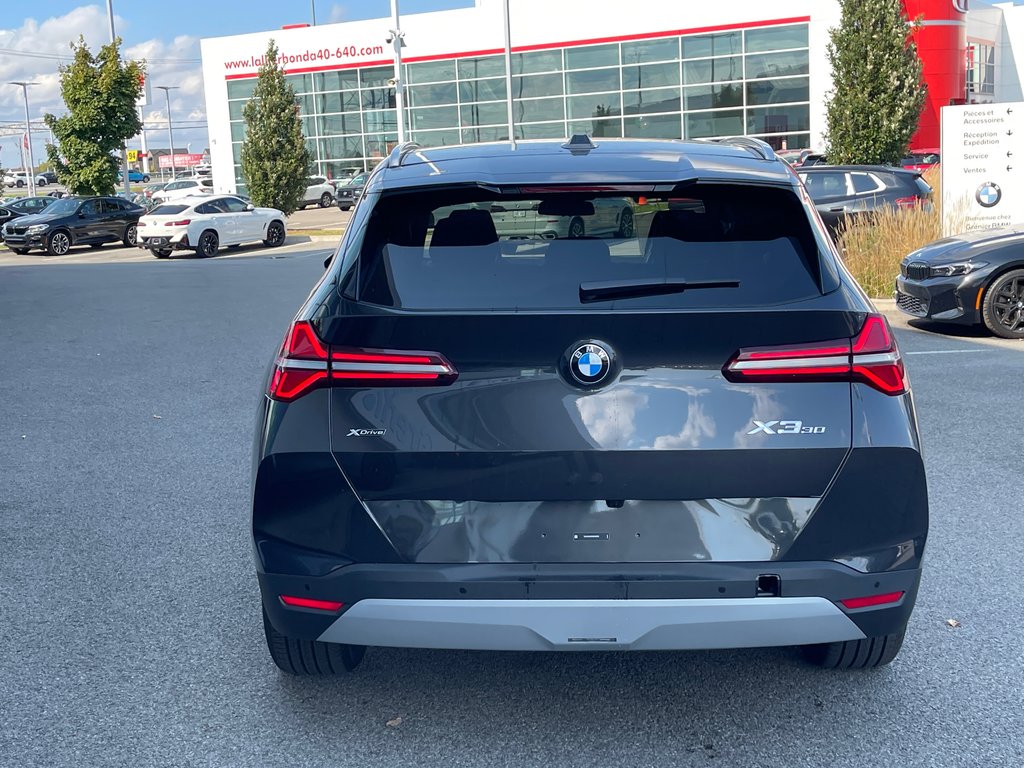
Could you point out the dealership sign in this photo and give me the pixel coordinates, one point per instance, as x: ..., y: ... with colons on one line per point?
x: 982, y: 160
x: 181, y: 160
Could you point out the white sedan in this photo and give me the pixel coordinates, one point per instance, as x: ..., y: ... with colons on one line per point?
x: 204, y: 224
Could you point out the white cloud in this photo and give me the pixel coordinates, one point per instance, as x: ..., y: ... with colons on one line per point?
x: 338, y: 12
x: 36, y: 49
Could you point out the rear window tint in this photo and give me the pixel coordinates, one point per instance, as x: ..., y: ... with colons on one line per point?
x: 167, y: 210
x: 425, y: 251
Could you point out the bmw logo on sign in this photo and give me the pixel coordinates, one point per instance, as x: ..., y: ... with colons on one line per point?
x: 589, y: 364
x: 988, y: 195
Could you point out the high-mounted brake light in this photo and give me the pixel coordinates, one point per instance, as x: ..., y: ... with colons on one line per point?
x: 306, y: 363
x: 308, y: 602
x: 871, y: 357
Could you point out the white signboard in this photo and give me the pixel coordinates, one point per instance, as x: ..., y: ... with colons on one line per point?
x: 982, y: 166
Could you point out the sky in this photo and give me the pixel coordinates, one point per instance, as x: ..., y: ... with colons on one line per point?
x: 35, y: 39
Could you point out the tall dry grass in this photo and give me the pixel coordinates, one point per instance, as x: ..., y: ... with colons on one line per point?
x: 874, y: 244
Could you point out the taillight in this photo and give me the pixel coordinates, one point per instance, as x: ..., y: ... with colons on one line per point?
x: 305, y: 363
x: 871, y: 357
x: 309, y: 602
x: 180, y: 223
x: 908, y: 202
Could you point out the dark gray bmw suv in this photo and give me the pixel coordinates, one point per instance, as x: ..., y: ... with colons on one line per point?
x: 693, y: 433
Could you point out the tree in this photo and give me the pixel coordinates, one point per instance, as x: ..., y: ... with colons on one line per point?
x: 878, y: 90
x: 275, y: 160
x: 100, y: 93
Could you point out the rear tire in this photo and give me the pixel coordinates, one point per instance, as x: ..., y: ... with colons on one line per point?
x: 576, y: 228
x: 160, y: 253
x: 131, y: 235
x: 145, y: 179
x: 326, y: 199
x: 855, y: 654
x: 309, y: 657
x: 208, y: 244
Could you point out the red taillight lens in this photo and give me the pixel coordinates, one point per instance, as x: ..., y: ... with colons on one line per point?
x: 871, y: 356
x: 179, y: 223
x: 907, y: 202
x: 305, y: 363
x: 872, y: 600
x: 308, y: 602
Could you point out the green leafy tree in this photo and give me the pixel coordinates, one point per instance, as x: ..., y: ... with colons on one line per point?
x: 879, y: 93
x: 100, y: 93
x: 275, y: 160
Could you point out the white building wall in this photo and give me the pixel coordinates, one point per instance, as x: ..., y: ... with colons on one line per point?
x: 480, y: 29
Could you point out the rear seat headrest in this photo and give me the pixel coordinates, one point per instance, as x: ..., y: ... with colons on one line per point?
x: 465, y: 227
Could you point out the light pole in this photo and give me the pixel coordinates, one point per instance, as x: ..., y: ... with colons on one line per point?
x: 312, y: 10
x: 28, y: 136
x: 170, y: 131
x: 124, y: 148
x: 396, y: 39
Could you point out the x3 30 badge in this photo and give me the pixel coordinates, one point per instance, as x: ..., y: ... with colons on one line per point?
x: 784, y: 428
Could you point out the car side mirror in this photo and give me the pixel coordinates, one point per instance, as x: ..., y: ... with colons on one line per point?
x: 250, y: 207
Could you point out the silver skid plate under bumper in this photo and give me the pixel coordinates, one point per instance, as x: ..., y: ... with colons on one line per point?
x: 588, y: 625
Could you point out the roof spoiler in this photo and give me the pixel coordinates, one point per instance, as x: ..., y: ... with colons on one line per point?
x: 400, y: 152
x: 760, y: 148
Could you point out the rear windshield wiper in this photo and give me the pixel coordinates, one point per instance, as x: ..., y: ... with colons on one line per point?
x: 607, y: 290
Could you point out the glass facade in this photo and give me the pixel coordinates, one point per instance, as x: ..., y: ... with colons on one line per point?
x: 981, y: 70
x: 753, y: 82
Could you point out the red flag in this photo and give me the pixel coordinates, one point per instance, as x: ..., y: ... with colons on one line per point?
x: 24, y: 140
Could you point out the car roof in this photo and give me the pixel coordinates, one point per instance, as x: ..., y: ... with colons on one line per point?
x: 605, y: 161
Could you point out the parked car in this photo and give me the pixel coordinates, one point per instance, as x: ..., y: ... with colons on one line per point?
x: 73, y: 221
x: 976, y: 278
x: 347, y: 193
x: 319, y: 191
x: 813, y: 158
x: 181, y: 188
x: 45, y: 178
x: 843, y: 192
x: 16, y: 179
x: 548, y: 219
x: 24, y: 206
x: 204, y: 224
x: 598, y: 443
x: 921, y: 160
x: 151, y: 189
x: 134, y: 177
x: 794, y: 157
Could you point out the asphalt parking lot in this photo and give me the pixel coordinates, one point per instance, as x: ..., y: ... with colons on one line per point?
x: 129, y: 614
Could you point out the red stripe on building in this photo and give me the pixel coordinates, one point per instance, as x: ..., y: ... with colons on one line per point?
x: 542, y: 46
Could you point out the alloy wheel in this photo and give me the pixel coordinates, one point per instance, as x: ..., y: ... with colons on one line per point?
x: 131, y: 235
x: 60, y: 243
x: 1008, y: 305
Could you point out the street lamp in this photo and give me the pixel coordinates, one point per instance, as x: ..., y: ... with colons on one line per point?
x: 170, y: 131
x: 28, y: 138
x: 124, y: 147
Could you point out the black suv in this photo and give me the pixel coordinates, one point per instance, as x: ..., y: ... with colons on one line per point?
x: 25, y: 206
x: 696, y: 434
x: 843, y: 192
x: 72, y: 221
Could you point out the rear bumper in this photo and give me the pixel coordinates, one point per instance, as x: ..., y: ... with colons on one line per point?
x: 660, y: 606
x: 588, y: 625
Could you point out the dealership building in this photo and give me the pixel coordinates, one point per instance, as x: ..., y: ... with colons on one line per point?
x: 657, y: 69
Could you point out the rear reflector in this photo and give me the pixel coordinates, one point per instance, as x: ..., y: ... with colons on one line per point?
x: 873, y: 600
x: 308, y: 602
x: 871, y: 357
x: 305, y: 363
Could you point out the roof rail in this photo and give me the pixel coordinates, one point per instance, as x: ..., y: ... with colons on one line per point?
x: 400, y: 152
x: 760, y: 148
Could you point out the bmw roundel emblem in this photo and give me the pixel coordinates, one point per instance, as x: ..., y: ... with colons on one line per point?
x: 988, y: 195
x: 589, y: 363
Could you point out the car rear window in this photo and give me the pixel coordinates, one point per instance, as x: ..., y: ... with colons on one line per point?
x: 529, y: 251
x: 167, y: 210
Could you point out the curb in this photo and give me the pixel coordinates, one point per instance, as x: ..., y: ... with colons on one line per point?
x: 294, y: 239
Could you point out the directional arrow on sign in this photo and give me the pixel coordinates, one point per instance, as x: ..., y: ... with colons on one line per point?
x: 1009, y: 110
x: 1009, y: 132
x: 1009, y: 154
x: 1009, y: 167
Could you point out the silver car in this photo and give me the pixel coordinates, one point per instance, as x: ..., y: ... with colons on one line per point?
x: 530, y: 218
